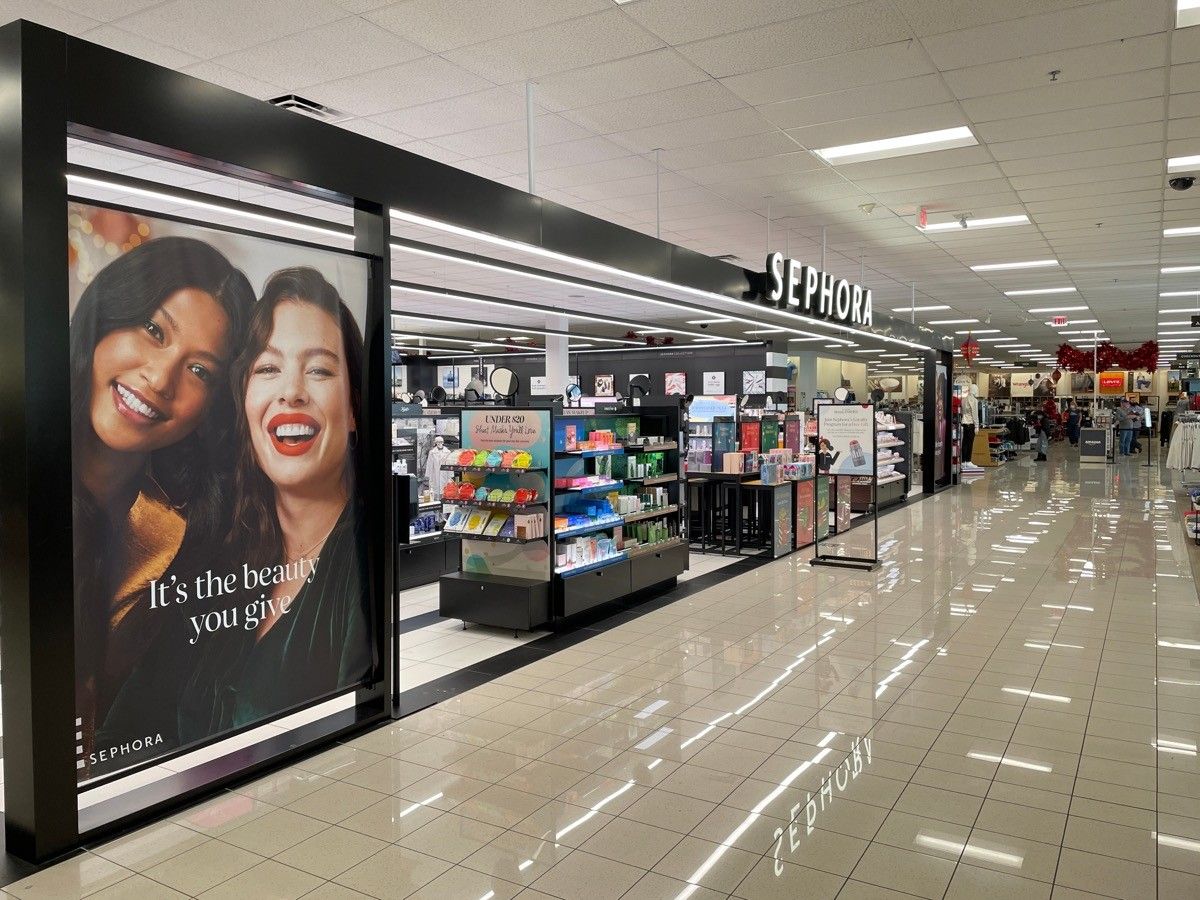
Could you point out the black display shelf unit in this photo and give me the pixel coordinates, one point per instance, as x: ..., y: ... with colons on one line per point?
x: 504, y: 579
x: 421, y: 558
x: 581, y: 586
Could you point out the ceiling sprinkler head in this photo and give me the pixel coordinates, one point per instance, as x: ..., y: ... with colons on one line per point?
x: 962, y: 219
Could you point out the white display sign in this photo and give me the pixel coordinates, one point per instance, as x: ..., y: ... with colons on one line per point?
x: 846, y: 439
x: 539, y: 385
x: 714, y: 383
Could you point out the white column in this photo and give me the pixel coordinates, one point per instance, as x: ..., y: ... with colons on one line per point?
x: 557, y: 363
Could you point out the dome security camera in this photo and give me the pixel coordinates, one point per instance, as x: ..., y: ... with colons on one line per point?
x: 703, y: 324
x: 1181, y: 182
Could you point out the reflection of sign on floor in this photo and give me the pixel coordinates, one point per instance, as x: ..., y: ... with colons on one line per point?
x: 834, y: 783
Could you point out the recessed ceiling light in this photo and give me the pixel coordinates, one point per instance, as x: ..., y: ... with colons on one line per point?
x: 1015, y: 346
x: 1038, y: 291
x: 870, y: 351
x: 1186, y: 309
x: 1178, y: 270
x: 1000, y: 267
x: 987, y: 340
x: 952, y: 321
x: 1192, y: 333
x: 1179, y: 293
x: 909, y: 309
x: 904, y: 145
x: 1182, y: 163
x: 1175, y: 322
x: 764, y: 331
x: 976, y: 224
x: 1055, y: 309
x: 708, y: 321
x: 1184, y: 231
x: 979, y: 331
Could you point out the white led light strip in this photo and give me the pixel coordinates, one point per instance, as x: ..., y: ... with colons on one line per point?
x: 423, y: 221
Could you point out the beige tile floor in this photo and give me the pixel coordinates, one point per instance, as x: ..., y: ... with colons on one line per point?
x: 1007, y: 707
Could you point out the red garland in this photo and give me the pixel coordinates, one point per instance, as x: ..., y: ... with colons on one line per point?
x: 1108, y: 356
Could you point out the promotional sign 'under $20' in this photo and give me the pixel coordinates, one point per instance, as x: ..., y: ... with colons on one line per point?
x: 792, y: 285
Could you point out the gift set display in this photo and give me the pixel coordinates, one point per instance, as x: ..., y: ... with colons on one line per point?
x: 560, y: 511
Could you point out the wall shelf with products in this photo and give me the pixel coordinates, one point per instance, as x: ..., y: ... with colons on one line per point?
x: 424, y: 550
x: 893, y: 464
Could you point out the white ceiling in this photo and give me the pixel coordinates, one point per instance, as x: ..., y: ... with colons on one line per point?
x: 735, y: 94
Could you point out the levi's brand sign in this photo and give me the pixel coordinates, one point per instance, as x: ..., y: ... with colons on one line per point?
x: 792, y: 285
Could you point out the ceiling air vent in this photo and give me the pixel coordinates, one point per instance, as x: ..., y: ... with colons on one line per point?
x: 310, y: 108
x: 727, y: 257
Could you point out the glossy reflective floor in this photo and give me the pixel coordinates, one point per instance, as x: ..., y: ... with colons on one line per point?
x: 1007, y: 707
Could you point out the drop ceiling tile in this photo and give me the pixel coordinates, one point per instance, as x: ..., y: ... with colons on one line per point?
x: 1067, y: 162
x: 690, y: 20
x: 213, y: 27
x: 429, y: 151
x: 751, y: 146
x: 419, y: 81
x: 1183, y: 129
x: 644, y: 110
x: 823, y: 34
x: 51, y: 15
x: 375, y: 131
x: 440, y: 26
x: 901, y: 94
x: 561, y: 155
x: 135, y: 45
x: 349, y: 46
x: 1048, y: 124
x: 783, y: 164
x: 1138, y: 187
x: 857, y: 68
x: 583, y: 41
x: 608, y: 170
x: 1099, y: 175
x: 235, y: 81
x: 1119, y: 144
x: 1074, y: 65
x: 631, y: 76
x: 1073, y: 95
x: 510, y: 136
x: 705, y: 129
x: 490, y: 106
x: 1078, y: 26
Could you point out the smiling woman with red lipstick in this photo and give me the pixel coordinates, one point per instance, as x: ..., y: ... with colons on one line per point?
x: 151, y: 341
x: 296, y: 386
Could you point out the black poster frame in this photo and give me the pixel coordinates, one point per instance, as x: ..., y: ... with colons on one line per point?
x: 866, y: 563
x: 929, y: 483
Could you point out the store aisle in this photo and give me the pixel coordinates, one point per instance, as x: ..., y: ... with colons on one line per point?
x: 1009, y: 703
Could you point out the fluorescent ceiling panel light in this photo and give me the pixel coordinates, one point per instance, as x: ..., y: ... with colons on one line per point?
x: 979, y: 331
x: 1179, y: 293
x: 952, y: 321
x: 1012, y: 346
x: 708, y: 321
x: 1055, y: 309
x: 1038, y: 291
x: 991, y: 340
x: 870, y: 351
x: 931, y: 308
x: 445, y: 340
x: 1000, y: 267
x: 904, y: 145
x: 1184, y: 231
x: 1176, y: 309
x: 1175, y: 322
x: 1183, y: 163
x: 765, y: 331
x: 1192, y: 333
x: 209, y: 207
x: 976, y: 224
x: 1178, y: 270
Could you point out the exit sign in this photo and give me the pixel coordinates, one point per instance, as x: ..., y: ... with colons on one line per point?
x: 1062, y: 320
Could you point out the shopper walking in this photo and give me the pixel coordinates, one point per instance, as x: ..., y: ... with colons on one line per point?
x: 1041, y: 435
x: 1127, y: 423
x: 1074, y: 417
x: 1139, y: 415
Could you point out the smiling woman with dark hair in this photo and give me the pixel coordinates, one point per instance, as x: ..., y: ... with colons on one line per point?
x: 295, y: 520
x: 151, y: 342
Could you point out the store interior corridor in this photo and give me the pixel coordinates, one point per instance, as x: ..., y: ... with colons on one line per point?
x: 1005, y: 707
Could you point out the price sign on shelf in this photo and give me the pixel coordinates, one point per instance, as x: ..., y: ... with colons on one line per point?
x: 1060, y: 320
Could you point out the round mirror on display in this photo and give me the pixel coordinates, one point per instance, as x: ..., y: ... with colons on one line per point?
x: 438, y: 395
x: 505, y: 381
x: 573, y: 392
x: 841, y: 395
x: 639, y: 385
x: 475, y: 388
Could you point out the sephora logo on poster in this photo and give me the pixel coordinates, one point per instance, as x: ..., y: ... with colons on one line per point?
x: 218, y: 521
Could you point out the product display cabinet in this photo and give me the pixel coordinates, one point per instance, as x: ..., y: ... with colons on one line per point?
x: 562, y: 511
x: 893, y: 462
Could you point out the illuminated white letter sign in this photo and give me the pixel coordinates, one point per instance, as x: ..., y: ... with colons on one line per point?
x: 793, y: 285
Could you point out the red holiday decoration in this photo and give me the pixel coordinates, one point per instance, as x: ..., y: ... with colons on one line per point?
x: 970, y: 349
x: 1056, y: 376
x: 1107, y: 356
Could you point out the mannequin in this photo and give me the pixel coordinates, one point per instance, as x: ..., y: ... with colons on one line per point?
x: 439, y: 455
x: 970, y: 417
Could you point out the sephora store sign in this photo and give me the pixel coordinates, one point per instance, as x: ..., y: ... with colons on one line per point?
x: 794, y: 286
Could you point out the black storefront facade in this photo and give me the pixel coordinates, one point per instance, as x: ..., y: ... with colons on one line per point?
x: 52, y: 87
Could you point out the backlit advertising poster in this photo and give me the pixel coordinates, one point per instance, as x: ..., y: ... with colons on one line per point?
x: 846, y: 439
x: 1113, y: 382
x: 805, y: 500
x: 219, y: 545
x: 940, y: 420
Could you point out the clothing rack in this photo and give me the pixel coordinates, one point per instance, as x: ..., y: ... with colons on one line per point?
x: 1184, y: 451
